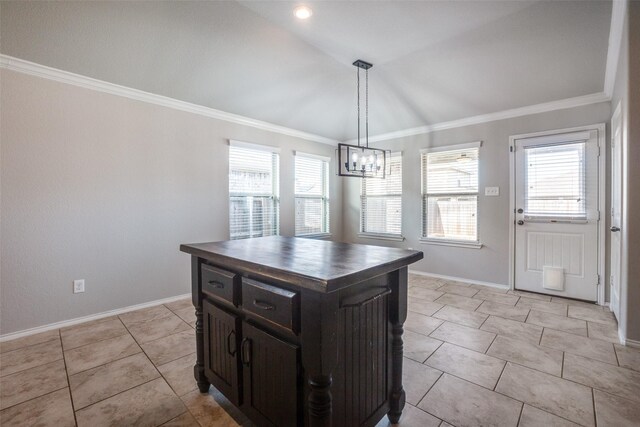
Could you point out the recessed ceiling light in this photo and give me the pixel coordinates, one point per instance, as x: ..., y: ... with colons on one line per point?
x: 302, y: 12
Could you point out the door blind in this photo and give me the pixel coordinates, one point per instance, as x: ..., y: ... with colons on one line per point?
x: 253, y: 193
x: 450, y: 194
x: 311, y: 195
x: 555, y: 181
x: 381, y: 200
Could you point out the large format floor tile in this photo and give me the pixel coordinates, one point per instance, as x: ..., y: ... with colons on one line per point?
x: 29, y: 340
x: 92, y: 355
x: 604, y: 331
x: 524, y: 353
x: 53, y: 409
x: 145, y: 315
x: 169, y: 348
x: 424, y: 293
x: 464, y: 336
x: 463, y: 290
x: 560, y: 323
x: 180, y: 304
x: 99, y: 383
x: 513, y: 329
x: 183, y: 420
x: 26, y: 385
x: 628, y: 357
x: 423, y: 306
x: 603, y: 376
x: 464, y: 404
x: 592, y: 314
x: 417, y: 379
x: 79, y: 335
x: 158, y: 328
x: 418, y: 347
x: 420, y: 323
x: 563, y: 398
x: 207, y: 410
x: 503, y: 310
x: 30, y: 357
x: 179, y: 374
x: 150, y: 404
x: 459, y: 301
x: 613, y: 411
x: 493, y: 296
x: 460, y: 316
x: 547, y: 307
x: 530, y: 295
x: 467, y: 364
x: 534, y: 417
x: 412, y: 417
x: 582, y: 346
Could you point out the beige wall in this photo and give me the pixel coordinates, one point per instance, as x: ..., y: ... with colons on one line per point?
x: 104, y: 188
x: 490, y: 263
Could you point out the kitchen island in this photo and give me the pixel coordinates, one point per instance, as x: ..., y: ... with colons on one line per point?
x: 298, y: 331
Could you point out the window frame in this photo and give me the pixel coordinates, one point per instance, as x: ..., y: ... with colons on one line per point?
x: 275, y: 184
x: 382, y: 236
x: 424, y: 198
x: 324, y: 198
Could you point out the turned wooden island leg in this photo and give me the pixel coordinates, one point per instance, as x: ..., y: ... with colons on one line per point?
x: 196, y: 298
x: 398, y: 314
x: 320, y: 400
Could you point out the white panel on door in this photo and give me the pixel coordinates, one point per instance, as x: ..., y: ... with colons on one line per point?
x: 555, y: 250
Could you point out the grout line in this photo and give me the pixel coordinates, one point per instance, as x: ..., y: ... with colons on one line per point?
x: 429, y: 389
x: 520, y: 416
x: 66, y: 371
x: 38, y: 397
x: 500, y: 376
x: 562, y: 366
x: 30, y: 345
x: 593, y: 400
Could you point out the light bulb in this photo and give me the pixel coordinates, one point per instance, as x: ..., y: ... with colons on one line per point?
x: 302, y: 12
x: 354, y: 157
x: 371, y: 159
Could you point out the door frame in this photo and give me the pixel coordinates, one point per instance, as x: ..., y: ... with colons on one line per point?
x: 602, y: 162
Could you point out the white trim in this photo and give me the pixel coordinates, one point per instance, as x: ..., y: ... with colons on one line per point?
x: 561, y: 104
x: 618, y: 13
x: 476, y: 144
x: 459, y: 279
x: 390, y: 237
x: 601, y: 128
x: 84, y: 319
x: 455, y: 243
x: 252, y: 146
x: 26, y: 67
x: 312, y: 156
x: 632, y: 343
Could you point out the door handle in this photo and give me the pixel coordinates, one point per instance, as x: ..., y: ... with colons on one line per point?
x: 229, y: 346
x: 245, y: 352
x: 520, y: 210
x: 520, y: 222
x: 614, y: 229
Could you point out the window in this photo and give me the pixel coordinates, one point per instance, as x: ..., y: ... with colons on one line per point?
x: 311, y: 195
x: 253, y: 191
x: 450, y: 193
x: 555, y: 181
x: 381, y: 201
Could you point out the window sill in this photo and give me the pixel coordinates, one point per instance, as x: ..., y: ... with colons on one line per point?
x: 454, y: 243
x: 315, y: 236
x: 390, y: 237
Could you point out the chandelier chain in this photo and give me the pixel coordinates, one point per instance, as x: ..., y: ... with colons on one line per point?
x: 358, y: 85
x: 366, y: 120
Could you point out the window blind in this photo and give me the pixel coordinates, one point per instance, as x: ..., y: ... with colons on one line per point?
x: 555, y: 181
x: 381, y: 200
x: 450, y: 194
x: 253, y: 193
x: 311, y: 195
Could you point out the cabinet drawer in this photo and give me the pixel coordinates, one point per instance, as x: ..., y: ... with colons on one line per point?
x: 219, y: 283
x: 277, y: 305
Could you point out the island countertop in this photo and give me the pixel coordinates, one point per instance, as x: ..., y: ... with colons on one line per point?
x: 319, y: 265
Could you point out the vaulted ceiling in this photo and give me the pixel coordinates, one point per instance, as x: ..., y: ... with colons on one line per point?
x: 433, y: 61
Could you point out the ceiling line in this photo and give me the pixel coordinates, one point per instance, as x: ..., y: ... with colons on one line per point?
x: 50, y: 73
x: 618, y: 13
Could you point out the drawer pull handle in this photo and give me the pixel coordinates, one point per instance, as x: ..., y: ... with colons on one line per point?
x: 245, y: 352
x: 216, y: 284
x: 263, y: 305
x: 231, y: 349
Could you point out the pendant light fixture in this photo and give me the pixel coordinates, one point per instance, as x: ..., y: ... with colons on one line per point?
x: 360, y: 160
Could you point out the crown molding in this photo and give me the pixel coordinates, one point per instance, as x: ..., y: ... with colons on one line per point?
x: 618, y: 13
x: 561, y: 104
x: 43, y: 71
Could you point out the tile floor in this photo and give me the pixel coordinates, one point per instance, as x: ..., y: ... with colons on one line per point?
x: 474, y: 356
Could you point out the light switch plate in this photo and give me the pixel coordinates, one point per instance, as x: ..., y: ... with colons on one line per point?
x: 491, y: 191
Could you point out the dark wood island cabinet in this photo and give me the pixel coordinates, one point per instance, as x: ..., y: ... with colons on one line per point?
x: 298, y: 331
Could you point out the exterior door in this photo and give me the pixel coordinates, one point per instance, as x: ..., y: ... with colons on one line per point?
x: 556, y: 202
x: 616, y: 208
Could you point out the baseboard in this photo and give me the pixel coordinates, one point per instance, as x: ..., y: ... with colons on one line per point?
x: 459, y: 279
x: 78, y: 320
x: 632, y: 343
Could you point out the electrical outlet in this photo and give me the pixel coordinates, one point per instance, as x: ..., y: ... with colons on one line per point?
x: 491, y: 191
x: 78, y: 286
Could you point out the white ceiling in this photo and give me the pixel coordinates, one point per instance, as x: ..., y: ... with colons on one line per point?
x: 433, y: 61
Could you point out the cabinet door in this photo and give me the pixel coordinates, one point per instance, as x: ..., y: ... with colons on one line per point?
x: 221, y: 358
x: 270, y: 372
